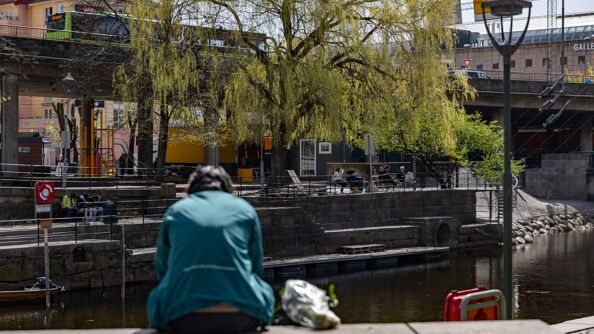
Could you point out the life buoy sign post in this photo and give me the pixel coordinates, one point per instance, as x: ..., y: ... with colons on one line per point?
x: 44, y: 197
x: 44, y: 192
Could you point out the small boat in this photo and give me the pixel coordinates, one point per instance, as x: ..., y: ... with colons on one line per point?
x: 36, y: 292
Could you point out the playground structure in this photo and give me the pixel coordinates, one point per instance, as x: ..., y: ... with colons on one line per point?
x: 97, y: 157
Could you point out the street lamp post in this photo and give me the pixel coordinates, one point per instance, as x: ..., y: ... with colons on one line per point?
x: 507, y: 8
x: 68, y: 83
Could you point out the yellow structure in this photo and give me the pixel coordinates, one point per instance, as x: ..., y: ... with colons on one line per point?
x: 180, y: 151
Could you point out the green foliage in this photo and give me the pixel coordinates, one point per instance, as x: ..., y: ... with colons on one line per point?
x: 474, y: 134
x: 332, y: 69
x: 333, y: 302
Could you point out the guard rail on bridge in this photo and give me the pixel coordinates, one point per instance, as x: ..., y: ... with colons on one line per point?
x: 573, y: 75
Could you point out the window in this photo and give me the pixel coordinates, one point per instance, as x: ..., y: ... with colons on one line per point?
x: 564, y: 61
x: 48, y: 12
x: 24, y: 149
x: 513, y: 64
x: 496, y: 65
x: 472, y: 74
x: 60, y: 9
x: 581, y: 59
x: 9, y: 14
x: 48, y: 113
x: 216, y: 42
x: 545, y: 62
x: 479, y: 66
x: 528, y: 62
x: 118, y: 115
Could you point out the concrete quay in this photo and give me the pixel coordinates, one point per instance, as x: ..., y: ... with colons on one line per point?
x: 576, y: 326
x: 471, y: 327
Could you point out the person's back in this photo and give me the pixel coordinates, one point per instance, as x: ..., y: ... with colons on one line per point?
x: 209, y: 256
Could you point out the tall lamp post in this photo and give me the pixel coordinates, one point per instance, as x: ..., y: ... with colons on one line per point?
x: 68, y: 83
x: 501, y: 9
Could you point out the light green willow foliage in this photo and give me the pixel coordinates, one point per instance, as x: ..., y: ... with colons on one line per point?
x: 156, y: 35
x: 341, y: 68
x: 426, y: 100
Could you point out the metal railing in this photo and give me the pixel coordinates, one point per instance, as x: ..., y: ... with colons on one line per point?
x: 578, y: 75
x: 59, y: 35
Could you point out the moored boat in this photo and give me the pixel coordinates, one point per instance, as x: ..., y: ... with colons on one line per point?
x: 36, y: 292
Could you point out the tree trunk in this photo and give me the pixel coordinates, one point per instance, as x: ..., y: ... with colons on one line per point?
x: 162, y: 144
x: 211, y: 149
x: 131, y: 143
x: 279, y: 156
x: 145, y: 135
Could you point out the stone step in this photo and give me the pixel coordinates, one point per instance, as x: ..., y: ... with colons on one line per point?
x: 392, y: 236
x: 361, y: 249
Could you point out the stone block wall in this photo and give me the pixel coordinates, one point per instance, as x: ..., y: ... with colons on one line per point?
x: 76, y: 266
x: 561, y: 176
x: 288, y: 232
x: 390, y: 208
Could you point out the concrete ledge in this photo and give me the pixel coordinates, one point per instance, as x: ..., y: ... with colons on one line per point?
x: 582, y: 325
x: 474, y: 327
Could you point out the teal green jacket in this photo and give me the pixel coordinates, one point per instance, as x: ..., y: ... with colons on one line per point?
x: 209, y: 252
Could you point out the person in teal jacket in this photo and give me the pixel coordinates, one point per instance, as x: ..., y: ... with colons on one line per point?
x: 209, y: 262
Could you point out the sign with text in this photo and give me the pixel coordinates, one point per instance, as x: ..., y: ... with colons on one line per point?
x: 44, y: 192
x: 583, y: 47
x: 43, y: 208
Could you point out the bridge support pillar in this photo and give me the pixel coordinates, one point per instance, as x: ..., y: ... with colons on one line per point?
x: 497, y: 115
x: 10, y: 125
x: 586, y: 134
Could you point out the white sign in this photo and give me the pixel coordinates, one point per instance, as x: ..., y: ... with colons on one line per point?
x: 43, y: 208
x: 583, y: 47
x: 369, y: 145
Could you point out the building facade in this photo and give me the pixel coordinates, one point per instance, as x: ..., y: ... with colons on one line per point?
x: 539, y: 56
x: 36, y: 113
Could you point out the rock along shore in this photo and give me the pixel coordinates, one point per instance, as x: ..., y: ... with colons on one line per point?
x: 524, y: 231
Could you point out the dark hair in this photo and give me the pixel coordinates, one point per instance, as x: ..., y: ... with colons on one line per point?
x: 211, y: 178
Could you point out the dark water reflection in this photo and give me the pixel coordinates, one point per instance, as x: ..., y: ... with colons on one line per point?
x: 553, y: 281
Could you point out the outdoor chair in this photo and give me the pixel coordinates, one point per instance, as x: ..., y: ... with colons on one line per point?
x: 310, y: 188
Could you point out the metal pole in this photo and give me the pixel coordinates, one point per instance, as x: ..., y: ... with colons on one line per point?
x: 507, y: 188
x: 46, y: 262
x: 123, y: 292
x: 370, y: 166
x: 563, y: 64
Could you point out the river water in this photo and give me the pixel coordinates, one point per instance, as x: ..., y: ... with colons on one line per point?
x: 553, y: 281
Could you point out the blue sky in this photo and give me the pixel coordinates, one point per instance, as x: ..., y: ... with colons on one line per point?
x: 539, y: 8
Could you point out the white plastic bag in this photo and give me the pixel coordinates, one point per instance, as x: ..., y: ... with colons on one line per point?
x: 307, y: 305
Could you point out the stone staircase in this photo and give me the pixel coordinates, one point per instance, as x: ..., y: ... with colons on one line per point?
x: 390, y: 236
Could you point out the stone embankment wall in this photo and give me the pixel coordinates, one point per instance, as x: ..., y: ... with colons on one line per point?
x: 562, y: 176
x: 526, y: 230
x: 76, y: 266
x: 17, y: 202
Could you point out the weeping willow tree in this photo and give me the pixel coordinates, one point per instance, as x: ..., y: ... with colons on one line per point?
x: 332, y: 69
x: 177, y: 76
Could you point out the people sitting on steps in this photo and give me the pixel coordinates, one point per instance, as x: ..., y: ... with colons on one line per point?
x: 68, y: 206
x: 354, y: 180
x: 337, y: 179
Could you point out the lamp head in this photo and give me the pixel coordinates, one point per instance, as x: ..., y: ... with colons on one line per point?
x: 506, y: 8
x: 68, y: 82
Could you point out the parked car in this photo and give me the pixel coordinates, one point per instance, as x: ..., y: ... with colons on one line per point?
x: 474, y: 74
